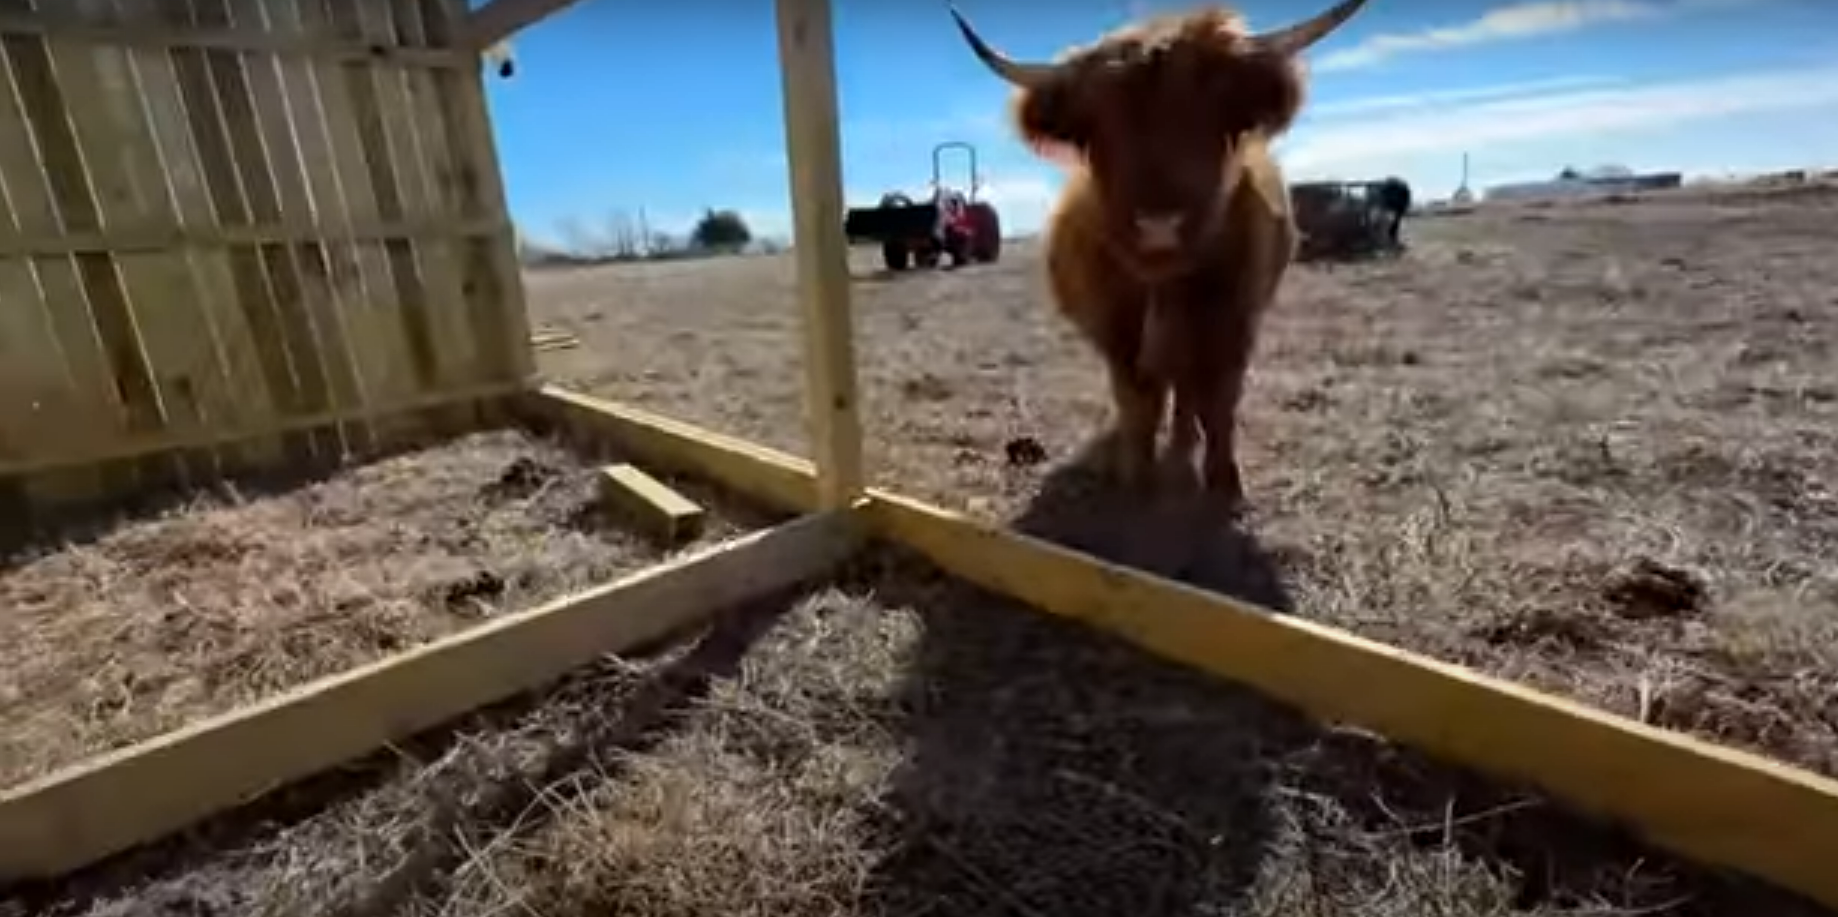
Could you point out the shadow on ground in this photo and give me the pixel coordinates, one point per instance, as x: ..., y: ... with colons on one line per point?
x: 435, y: 793
x: 1051, y: 770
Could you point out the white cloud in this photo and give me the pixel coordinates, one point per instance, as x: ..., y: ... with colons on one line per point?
x: 1356, y: 143
x: 1023, y: 200
x: 1367, y: 104
x: 1510, y: 23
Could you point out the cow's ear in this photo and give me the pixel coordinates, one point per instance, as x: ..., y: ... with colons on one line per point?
x: 1051, y: 122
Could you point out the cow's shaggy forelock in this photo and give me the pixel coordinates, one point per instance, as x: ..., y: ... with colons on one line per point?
x: 1198, y: 64
x: 1156, y: 110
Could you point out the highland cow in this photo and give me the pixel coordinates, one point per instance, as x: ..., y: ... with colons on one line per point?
x: 1174, y: 229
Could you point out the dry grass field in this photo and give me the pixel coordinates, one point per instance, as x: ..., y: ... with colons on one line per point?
x: 1589, y: 447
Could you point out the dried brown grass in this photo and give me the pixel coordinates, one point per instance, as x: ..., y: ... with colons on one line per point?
x: 159, y: 621
x: 1457, y: 451
x: 1524, y: 446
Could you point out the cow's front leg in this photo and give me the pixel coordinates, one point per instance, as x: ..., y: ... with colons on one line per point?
x: 1219, y: 473
x: 1184, y: 439
x: 1139, y: 398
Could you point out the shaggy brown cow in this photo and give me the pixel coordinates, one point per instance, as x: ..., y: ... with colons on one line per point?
x: 1174, y: 228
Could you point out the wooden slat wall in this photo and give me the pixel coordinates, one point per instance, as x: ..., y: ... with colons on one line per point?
x: 239, y: 233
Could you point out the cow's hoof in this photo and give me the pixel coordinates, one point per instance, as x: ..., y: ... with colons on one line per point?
x: 1224, y: 494
x: 1228, y: 508
x: 1177, y: 471
x: 1134, y: 473
x: 1123, y: 464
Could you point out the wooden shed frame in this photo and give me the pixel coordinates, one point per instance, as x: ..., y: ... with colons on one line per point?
x: 1711, y: 804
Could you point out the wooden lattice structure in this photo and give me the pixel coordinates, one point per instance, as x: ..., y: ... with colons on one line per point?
x: 168, y: 307
x: 272, y: 224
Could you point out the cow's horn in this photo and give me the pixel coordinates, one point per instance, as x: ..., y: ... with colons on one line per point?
x: 1025, y: 75
x: 1296, y: 38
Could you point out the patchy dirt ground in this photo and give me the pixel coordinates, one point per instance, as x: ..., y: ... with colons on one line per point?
x: 901, y: 744
x: 158, y: 622
x: 1590, y: 447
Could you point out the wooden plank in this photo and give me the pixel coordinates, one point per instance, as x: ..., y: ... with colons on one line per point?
x: 294, y: 146
x: 813, y: 147
x: 149, y: 236
x: 159, y: 300
x: 85, y: 293
x: 417, y: 142
x: 274, y: 289
x: 781, y: 481
x: 147, y: 34
x: 493, y: 282
x: 38, y: 397
x: 87, y: 410
x: 363, y: 277
x: 184, y: 120
x: 650, y: 502
x: 498, y: 20
x: 404, y: 273
x: 249, y: 338
x: 115, y: 801
x: 176, y: 297
x: 1712, y: 804
x: 1709, y: 803
x: 54, y: 103
x: 219, y: 436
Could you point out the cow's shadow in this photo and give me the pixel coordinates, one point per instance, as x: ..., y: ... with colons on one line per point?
x: 1171, y: 532
x: 1052, y: 769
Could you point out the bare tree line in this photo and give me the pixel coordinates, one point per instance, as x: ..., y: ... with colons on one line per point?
x: 623, y: 237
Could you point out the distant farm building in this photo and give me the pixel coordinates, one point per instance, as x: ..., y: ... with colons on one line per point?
x: 1571, y: 183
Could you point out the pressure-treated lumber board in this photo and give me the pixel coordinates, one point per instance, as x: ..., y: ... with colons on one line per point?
x: 115, y: 801
x: 150, y: 444
x: 661, y: 510
x: 1707, y: 802
x: 813, y: 149
x: 150, y: 237
x: 157, y: 38
x: 1716, y: 805
x: 781, y: 481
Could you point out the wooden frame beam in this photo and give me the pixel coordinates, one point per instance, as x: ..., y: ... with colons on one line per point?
x: 115, y: 801
x: 180, y: 439
x: 1709, y: 803
x: 164, y: 237
x: 813, y: 149
x: 500, y: 19
x: 783, y: 482
x: 53, y: 29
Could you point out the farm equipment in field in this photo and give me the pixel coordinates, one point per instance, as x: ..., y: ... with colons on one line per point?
x: 953, y: 223
x: 1342, y: 219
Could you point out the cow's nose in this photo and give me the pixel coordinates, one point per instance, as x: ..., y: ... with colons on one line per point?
x: 1158, y: 231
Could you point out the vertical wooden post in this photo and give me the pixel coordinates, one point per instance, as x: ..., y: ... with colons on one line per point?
x: 808, y: 78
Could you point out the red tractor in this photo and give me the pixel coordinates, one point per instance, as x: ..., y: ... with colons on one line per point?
x: 952, y: 223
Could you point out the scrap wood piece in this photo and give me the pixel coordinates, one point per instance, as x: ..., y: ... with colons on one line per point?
x: 543, y: 340
x: 656, y: 505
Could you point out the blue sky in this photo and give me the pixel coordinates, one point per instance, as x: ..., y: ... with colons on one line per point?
x: 615, y: 106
